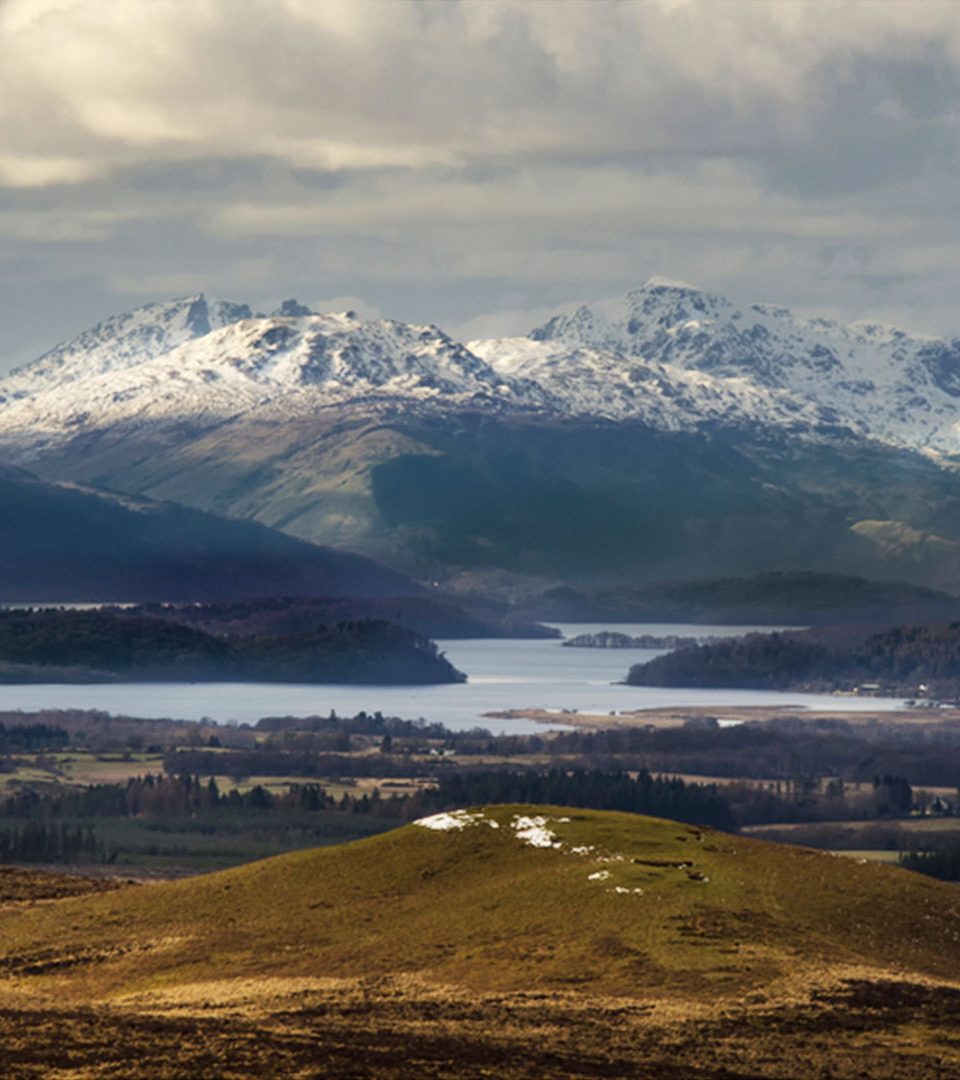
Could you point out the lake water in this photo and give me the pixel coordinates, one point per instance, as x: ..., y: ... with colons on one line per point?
x: 503, y: 674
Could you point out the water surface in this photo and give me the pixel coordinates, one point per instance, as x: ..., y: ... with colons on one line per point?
x: 504, y: 674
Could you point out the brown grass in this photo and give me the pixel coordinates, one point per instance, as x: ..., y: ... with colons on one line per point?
x: 429, y: 954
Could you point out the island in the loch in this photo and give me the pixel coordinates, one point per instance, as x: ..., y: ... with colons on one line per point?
x: 615, y: 639
x: 58, y: 645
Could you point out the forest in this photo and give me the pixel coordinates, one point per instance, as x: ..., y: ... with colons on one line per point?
x: 912, y: 661
x: 107, y: 646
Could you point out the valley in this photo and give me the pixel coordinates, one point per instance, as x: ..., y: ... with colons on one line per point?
x: 282, y: 511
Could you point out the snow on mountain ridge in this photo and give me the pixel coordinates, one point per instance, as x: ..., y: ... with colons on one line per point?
x: 898, y: 387
x: 590, y: 382
x: 297, y: 363
x: 146, y: 332
x: 666, y: 354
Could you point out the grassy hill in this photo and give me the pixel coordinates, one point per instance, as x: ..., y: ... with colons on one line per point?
x: 522, y: 941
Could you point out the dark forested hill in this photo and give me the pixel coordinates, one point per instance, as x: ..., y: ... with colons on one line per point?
x: 431, y: 616
x: 81, y: 646
x: 900, y: 660
x: 803, y: 597
x: 60, y: 542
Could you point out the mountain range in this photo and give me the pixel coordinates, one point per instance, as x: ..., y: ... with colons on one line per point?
x: 665, y: 432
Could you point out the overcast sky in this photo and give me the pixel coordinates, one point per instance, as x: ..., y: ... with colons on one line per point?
x: 476, y: 164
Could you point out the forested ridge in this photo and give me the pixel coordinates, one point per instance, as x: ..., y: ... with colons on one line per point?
x: 100, y: 645
x: 905, y: 659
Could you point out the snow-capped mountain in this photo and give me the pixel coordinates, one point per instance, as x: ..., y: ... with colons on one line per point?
x: 666, y: 430
x: 124, y: 340
x: 668, y: 355
x: 577, y: 380
x: 883, y: 382
x: 295, y: 363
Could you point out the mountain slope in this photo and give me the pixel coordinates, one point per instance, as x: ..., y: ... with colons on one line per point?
x: 600, y: 936
x: 64, y: 543
x: 666, y: 433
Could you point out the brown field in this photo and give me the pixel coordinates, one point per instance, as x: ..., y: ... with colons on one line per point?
x: 680, y: 715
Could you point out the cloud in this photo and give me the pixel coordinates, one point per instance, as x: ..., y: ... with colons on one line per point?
x: 404, y: 84
x: 442, y: 158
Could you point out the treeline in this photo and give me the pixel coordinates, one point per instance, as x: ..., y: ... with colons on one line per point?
x: 363, y: 724
x: 38, y: 841
x: 429, y: 616
x: 163, y: 796
x: 594, y: 789
x: 904, y: 659
x: 32, y: 738
x: 66, y: 825
x: 176, y: 796
x: 770, y: 751
x: 102, y: 645
x: 941, y: 862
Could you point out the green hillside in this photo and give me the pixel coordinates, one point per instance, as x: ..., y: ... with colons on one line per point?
x: 575, y: 912
x: 580, y: 501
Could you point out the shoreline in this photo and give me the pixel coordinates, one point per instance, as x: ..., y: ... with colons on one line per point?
x: 678, y: 716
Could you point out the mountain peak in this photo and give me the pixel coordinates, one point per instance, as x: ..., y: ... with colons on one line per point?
x: 123, y: 341
x: 293, y: 309
x: 658, y: 281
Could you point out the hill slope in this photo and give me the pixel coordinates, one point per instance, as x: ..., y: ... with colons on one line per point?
x: 60, y: 542
x: 802, y: 598
x: 611, y: 940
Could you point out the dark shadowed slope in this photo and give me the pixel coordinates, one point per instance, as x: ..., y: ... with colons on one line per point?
x: 60, y: 542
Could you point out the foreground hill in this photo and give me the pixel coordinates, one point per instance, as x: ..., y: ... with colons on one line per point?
x: 514, y: 941
x: 669, y: 433
x: 60, y: 542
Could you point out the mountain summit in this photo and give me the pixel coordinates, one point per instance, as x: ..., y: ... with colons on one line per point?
x: 881, y: 381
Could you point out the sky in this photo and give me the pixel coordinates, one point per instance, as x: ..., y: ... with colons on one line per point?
x: 479, y: 164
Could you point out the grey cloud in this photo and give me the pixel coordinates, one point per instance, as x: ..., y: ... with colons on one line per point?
x: 445, y: 161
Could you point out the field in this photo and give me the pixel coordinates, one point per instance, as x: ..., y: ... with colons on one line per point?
x: 525, y: 942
